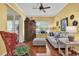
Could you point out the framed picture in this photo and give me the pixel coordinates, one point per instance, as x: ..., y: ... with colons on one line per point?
x: 64, y: 24
x: 75, y: 23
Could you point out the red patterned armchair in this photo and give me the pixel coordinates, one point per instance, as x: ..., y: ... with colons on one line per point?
x: 10, y: 41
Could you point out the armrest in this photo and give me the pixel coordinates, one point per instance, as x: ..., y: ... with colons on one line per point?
x: 64, y: 39
x: 51, y: 37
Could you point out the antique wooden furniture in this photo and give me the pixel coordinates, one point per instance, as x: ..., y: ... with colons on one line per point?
x: 33, y: 29
x: 30, y: 29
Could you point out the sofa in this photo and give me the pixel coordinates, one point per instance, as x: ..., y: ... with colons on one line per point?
x: 9, y: 41
x: 54, y: 38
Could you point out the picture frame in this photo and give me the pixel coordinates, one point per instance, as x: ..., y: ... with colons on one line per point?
x: 72, y: 17
x: 64, y: 24
x: 75, y: 23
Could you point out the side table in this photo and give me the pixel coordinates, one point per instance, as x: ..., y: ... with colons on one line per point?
x: 67, y: 45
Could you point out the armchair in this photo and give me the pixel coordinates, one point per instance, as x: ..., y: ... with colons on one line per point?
x: 9, y: 40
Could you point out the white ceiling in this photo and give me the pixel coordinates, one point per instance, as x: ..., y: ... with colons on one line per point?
x: 29, y: 11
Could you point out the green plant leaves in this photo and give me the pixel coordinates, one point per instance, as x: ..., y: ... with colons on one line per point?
x: 21, y: 50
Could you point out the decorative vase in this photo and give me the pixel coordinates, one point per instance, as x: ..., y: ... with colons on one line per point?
x: 71, y: 38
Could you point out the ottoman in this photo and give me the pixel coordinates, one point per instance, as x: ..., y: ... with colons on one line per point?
x: 39, y: 42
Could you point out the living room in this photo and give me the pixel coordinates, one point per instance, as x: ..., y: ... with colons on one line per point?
x: 46, y: 29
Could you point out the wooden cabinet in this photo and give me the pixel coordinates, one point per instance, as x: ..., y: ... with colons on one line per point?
x: 30, y: 29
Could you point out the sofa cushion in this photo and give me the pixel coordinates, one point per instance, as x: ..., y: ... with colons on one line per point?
x: 63, y: 35
x: 56, y: 34
x: 51, y: 34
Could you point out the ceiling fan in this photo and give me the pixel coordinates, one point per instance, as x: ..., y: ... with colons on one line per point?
x: 41, y: 7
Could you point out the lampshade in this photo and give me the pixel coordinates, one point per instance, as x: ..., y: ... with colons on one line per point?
x: 71, y: 29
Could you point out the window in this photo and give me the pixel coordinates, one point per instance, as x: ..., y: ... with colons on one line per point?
x: 42, y: 27
x: 13, y: 24
x: 10, y: 25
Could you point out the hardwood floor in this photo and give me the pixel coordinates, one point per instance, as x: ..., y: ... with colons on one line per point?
x: 47, y: 50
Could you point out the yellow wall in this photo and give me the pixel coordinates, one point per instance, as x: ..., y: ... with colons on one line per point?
x: 3, y: 21
x: 41, y: 35
x: 66, y: 12
x: 3, y: 17
x: 51, y: 23
x: 2, y: 47
x: 53, y: 27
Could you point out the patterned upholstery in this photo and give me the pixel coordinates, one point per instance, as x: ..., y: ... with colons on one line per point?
x: 10, y: 41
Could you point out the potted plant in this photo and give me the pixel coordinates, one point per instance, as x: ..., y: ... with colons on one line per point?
x: 21, y: 50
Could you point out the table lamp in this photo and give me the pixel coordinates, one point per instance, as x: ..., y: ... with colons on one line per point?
x: 71, y: 30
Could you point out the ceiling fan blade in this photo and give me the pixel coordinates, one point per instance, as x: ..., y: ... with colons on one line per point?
x: 41, y: 5
x: 47, y: 7
x: 44, y: 11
